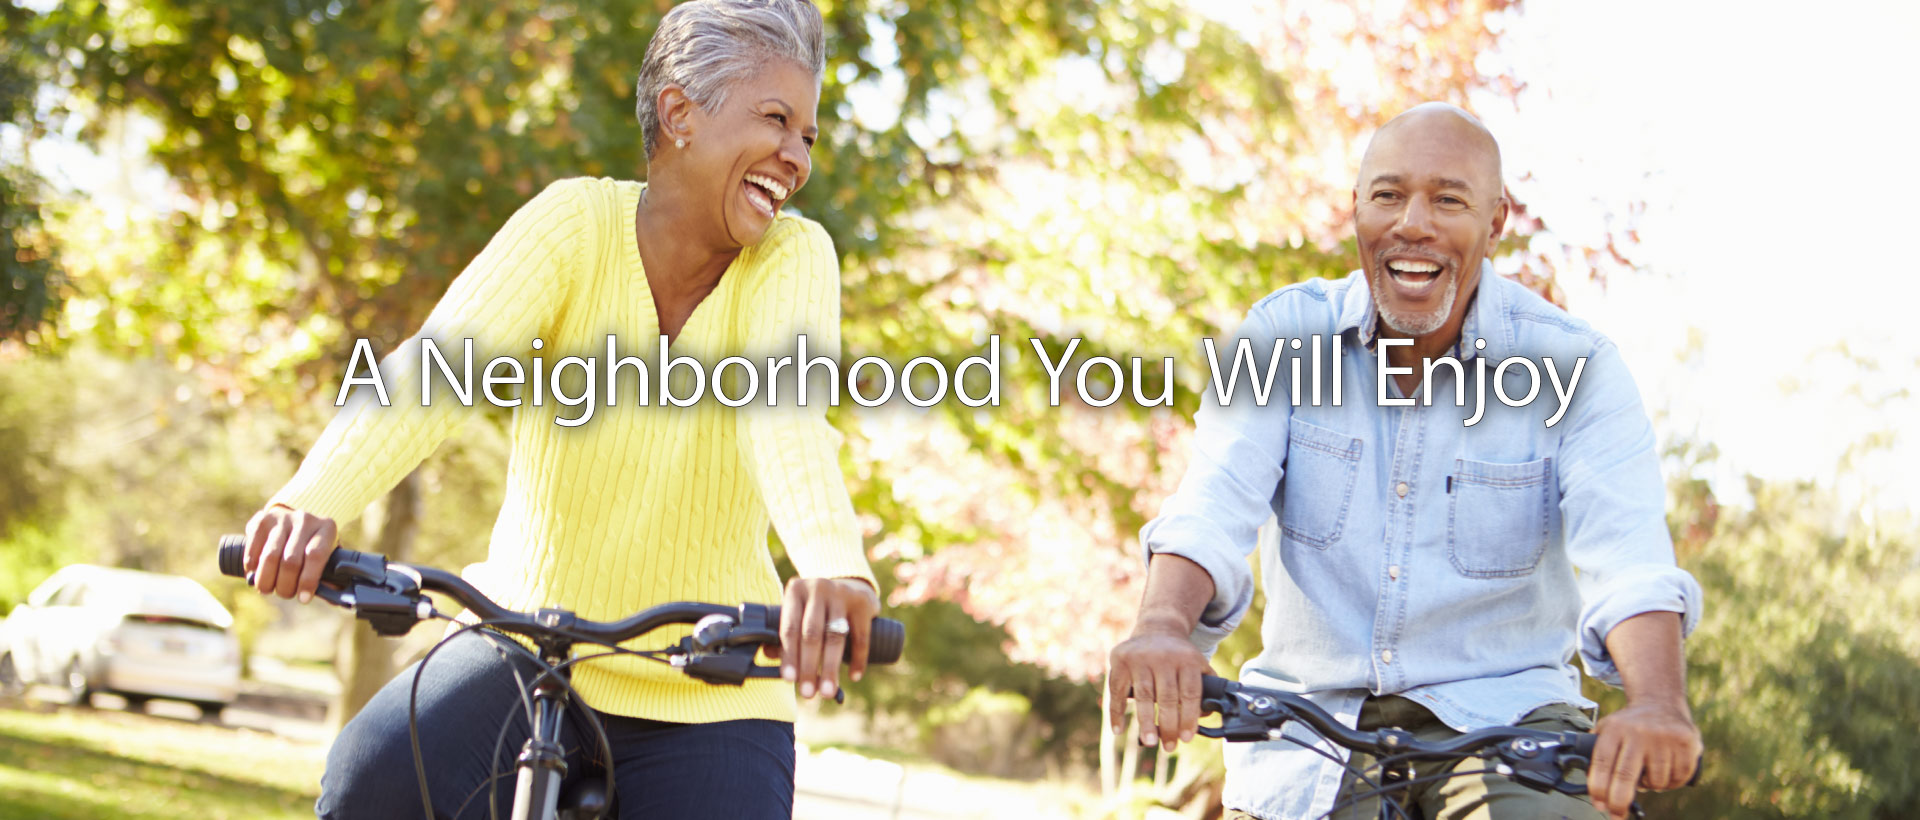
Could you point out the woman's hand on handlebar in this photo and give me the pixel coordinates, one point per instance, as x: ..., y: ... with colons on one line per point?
x: 809, y: 654
x: 287, y: 549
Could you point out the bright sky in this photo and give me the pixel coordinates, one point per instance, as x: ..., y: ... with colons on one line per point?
x: 1771, y: 144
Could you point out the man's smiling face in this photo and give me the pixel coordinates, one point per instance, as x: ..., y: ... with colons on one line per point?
x: 1427, y: 208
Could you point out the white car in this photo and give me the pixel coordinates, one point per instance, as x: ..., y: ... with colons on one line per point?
x: 140, y: 635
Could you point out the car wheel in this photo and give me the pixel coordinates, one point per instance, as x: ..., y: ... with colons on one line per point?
x: 78, y: 687
x: 211, y: 711
x: 10, y: 682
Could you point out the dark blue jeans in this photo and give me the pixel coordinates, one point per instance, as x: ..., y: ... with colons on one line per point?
x: 733, y: 769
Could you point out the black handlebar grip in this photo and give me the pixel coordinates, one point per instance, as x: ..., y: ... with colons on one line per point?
x: 359, y: 565
x: 885, y: 641
x: 233, y: 555
x: 1213, y: 687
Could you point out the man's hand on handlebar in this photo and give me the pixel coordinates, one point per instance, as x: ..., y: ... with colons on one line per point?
x: 1651, y: 745
x: 808, y: 653
x: 1161, y: 670
x: 287, y: 549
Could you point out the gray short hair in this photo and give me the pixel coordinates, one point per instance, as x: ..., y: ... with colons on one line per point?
x: 706, y: 46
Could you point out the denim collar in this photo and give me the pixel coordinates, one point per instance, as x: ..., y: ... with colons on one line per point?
x: 1486, y: 318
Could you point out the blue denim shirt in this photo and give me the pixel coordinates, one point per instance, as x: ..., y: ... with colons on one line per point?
x: 1458, y: 565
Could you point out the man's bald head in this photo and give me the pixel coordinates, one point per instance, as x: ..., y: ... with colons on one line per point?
x: 1428, y: 208
x: 1442, y: 123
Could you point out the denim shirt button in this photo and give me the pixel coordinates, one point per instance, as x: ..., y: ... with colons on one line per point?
x: 1386, y: 656
x: 1393, y: 572
x: 1401, y: 490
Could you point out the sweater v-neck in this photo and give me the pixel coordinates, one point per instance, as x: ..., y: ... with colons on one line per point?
x: 639, y: 269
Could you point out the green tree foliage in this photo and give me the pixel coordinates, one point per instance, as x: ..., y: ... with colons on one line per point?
x: 121, y: 463
x: 1805, y: 672
x: 33, y: 479
x: 30, y: 281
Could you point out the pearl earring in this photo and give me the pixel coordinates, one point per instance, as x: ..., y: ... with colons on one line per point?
x: 679, y: 143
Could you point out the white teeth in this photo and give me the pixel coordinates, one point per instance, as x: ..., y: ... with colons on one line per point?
x: 779, y: 191
x: 759, y: 199
x: 1411, y: 266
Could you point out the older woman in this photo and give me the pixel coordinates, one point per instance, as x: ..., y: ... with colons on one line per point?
x: 641, y: 505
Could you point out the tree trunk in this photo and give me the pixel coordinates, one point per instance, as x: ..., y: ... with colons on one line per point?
x: 364, y: 661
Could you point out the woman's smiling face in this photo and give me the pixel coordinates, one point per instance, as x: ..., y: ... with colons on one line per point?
x: 753, y: 150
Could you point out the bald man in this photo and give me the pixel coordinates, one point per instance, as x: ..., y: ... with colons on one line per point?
x: 1439, y: 558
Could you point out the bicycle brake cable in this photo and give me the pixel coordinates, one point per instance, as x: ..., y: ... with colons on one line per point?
x: 1383, y: 791
x: 1358, y: 772
x: 413, y: 729
x: 593, y: 719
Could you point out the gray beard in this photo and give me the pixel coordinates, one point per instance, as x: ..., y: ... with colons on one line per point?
x: 1418, y: 324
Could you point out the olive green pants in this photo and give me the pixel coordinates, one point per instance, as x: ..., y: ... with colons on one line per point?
x: 1481, y: 797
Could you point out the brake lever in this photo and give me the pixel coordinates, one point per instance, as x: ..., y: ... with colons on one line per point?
x: 731, y: 667
x: 391, y: 612
x: 1540, y: 765
x: 722, y: 648
x: 347, y: 599
x: 1244, y: 717
x: 334, y: 595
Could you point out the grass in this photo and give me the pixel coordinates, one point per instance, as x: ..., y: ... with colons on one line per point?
x: 62, y: 763
x: 72, y: 764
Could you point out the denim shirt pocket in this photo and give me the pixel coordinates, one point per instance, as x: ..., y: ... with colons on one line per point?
x: 1499, y: 517
x: 1317, y: 487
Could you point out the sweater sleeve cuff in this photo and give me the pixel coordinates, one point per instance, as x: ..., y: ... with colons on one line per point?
x: 835, y: 560
x: 311, y: 491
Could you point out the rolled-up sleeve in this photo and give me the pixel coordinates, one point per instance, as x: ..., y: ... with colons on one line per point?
x: 1613, y: 505
x: 1237, y: 456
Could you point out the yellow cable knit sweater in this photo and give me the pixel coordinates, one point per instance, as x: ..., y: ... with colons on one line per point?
x: 638, y: 505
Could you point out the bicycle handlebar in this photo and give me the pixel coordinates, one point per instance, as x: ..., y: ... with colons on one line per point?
x: 1535, y: 758
x: 365, y: 583
x: 1269, y: 708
